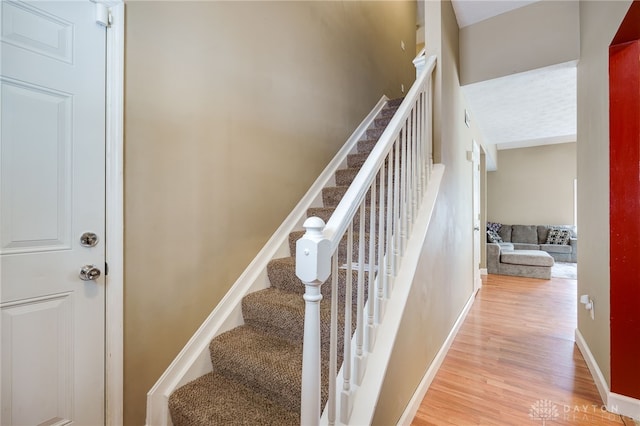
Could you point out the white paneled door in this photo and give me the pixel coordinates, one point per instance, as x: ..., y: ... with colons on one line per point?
x: 52, y: 213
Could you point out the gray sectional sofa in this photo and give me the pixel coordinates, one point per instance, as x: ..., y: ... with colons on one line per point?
x: 534, y: 237
x: 529, y: 250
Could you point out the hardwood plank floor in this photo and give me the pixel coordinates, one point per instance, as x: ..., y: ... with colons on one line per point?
x: 514, y: 362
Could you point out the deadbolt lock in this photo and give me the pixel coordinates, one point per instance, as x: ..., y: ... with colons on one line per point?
x: 88, y: 239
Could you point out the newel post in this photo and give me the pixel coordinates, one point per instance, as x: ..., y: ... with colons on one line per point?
x: 313, y: 267
x: 419, y: 62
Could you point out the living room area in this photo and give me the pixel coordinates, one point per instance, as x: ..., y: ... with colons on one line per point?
x: 531, y: 212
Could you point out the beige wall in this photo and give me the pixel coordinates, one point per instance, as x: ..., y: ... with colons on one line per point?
x: 486, y: 53
x: 533, y: 186
x: 232, y: 111
x: 444, y: 280
x: 599, y: 21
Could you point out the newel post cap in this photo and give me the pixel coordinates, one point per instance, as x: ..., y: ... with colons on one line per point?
x: 313, y: 253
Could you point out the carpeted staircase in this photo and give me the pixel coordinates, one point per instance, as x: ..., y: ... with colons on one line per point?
x: 257, y: 367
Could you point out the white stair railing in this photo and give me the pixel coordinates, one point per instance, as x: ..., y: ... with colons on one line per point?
x: 361, y: 248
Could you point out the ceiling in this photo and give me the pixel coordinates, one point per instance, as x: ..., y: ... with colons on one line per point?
x: 526, y: 109
x: 469, y: 12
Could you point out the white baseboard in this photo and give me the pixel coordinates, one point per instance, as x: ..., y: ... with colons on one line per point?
x: 615, y: 403
x: 598, y: 377
x: 483, y: 271
x: 412, y: 408
x: 624, y: 405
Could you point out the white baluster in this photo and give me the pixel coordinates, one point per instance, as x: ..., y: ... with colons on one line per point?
x: 388, y: 252
x: 345, y: 400
x: 313, y: 266
x: 419, y: 146
x: 359, y: 360
x: 404, y: 169
x: 395, y: 257
x: 333, y: 342
x: 371, y: 295
x: 382, y: 263
x: 414, y: 166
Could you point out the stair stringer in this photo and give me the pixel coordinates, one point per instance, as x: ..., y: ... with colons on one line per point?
x: 194, y: 360
x: 366, y: 395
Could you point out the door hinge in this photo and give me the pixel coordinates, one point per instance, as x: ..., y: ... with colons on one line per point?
x: 103, y: 15
x: 106, y: 268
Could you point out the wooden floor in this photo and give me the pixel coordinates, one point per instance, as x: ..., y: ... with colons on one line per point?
x: 514, y: 362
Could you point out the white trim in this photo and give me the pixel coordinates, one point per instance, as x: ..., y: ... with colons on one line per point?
x: 615, y: 403
x: 624, y: 405
x: 193, y: 360
x: 114, y: 237
x: 598, y: 377
x: 414, y: 404
x: 483, y: 271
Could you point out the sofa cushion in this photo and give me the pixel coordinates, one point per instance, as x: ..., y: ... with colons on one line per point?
x: 527, y: 234
x: 527, y: 257
x: 556, y: 248
x: 558, y: 236
x: 505, y: 233
x: 493, y: 237
x: 523, y: 246
x: 543, y: 231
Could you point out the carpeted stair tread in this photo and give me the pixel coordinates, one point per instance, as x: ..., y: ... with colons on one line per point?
x: 365, y: 146
x: 270, y: 365
x: 388, y: 111
x: 281, y: 313
x: 331, y: 196
x: 374, y: 133
x: 381, y: 121
x: 394, y: 103
x: 213, y: 399
x: 356, y: 160
x: 344, y: 177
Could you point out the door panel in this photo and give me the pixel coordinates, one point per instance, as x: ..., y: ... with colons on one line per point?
x: 36, y: 183
x: 46, y: 324
x: 52, y: 180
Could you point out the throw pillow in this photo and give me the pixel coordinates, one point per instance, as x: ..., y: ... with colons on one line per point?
x: 493, y: 237
x: 493, y: 226
x: 558, y: 236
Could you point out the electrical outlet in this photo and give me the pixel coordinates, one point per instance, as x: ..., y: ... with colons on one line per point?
x: 402, y: 88
x: 402, y: 44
